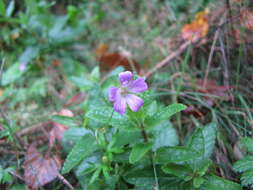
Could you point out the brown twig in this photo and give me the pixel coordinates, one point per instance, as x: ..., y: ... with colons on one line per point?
x: 17, y: 175
x: 33, y: 128
x: 225, y: 61
x: 168, y: 59
x: 210, y: 58
x: 228, y: 7
x: 65, y: 181
x: 1, y: 69
x: 4, y: 151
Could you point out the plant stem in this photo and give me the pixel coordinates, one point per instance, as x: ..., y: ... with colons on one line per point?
x: 144, y: 134
x: 155, y: 173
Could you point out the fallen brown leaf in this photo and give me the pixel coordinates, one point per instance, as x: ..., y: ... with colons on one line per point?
x: 211, y: 88
x: 110, y: 60
x: 40, y: 170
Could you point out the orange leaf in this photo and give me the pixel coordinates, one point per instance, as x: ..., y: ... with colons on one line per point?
x: 102, y: 49
x: 197, y: 29
x: 56, y: 62
x: 1, y: 92
x: 246, y: 19
x: 40, y: 170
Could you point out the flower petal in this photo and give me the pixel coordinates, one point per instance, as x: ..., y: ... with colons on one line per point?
x: 134, y: 102
x: 125, y: 78
x: 112, y: 93
x: 138, y: 85
x: 120, y: 104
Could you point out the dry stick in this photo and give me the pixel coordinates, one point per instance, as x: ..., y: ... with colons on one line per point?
x: 3, y: 151
x: 1, y: 69
x: 168, y: 59
x: 218, y: 155
x: 33, y: 128
x: 210, y: 58
x: 65, y: 181
x: 228, y: 6
x: 17, y: 175
x: 225, y: 61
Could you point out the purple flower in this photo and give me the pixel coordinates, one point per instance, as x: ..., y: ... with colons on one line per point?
x: 125, y: 94
x: 22, y: 66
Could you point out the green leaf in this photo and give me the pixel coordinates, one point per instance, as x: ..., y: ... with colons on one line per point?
x: 39, y: 87
x: 247, y: 178
x: 181, y: 171
x: 198, y: 181
x: 95, y: 74
x: 12, y: 74
x: 152, y: 108
x: 7, y: 178
x: 170, y: 110
x: 175, y: 154
x: 138, y: 152
x: 203, y: 140
x: 2, y: 8
x: 30, y: 53
x: 85, y: 147
x: 106, y: 115
x: 203, y: 166
x: 124, y: 137
x: 18, y: 187
x: 95, y: 176
x: 247, y: 143
x: 187, y: 186
x: 10, y: 8
x: 218, y: 183
x: 164, y: 135
x: 164, y: 114
x: 88, y: 165
x: 1, y: 173
x: 75, y: 134
x: 244, y: 164
x: 64, y: 120
x: 143, y: 178
x: 82, y: 82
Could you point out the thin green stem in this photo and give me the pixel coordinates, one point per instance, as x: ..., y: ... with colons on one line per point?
x: 145, y: 139
x: 155, y: 173
x: 144, y: 134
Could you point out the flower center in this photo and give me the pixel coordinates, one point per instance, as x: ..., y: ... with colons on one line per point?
x: 123, y: 91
